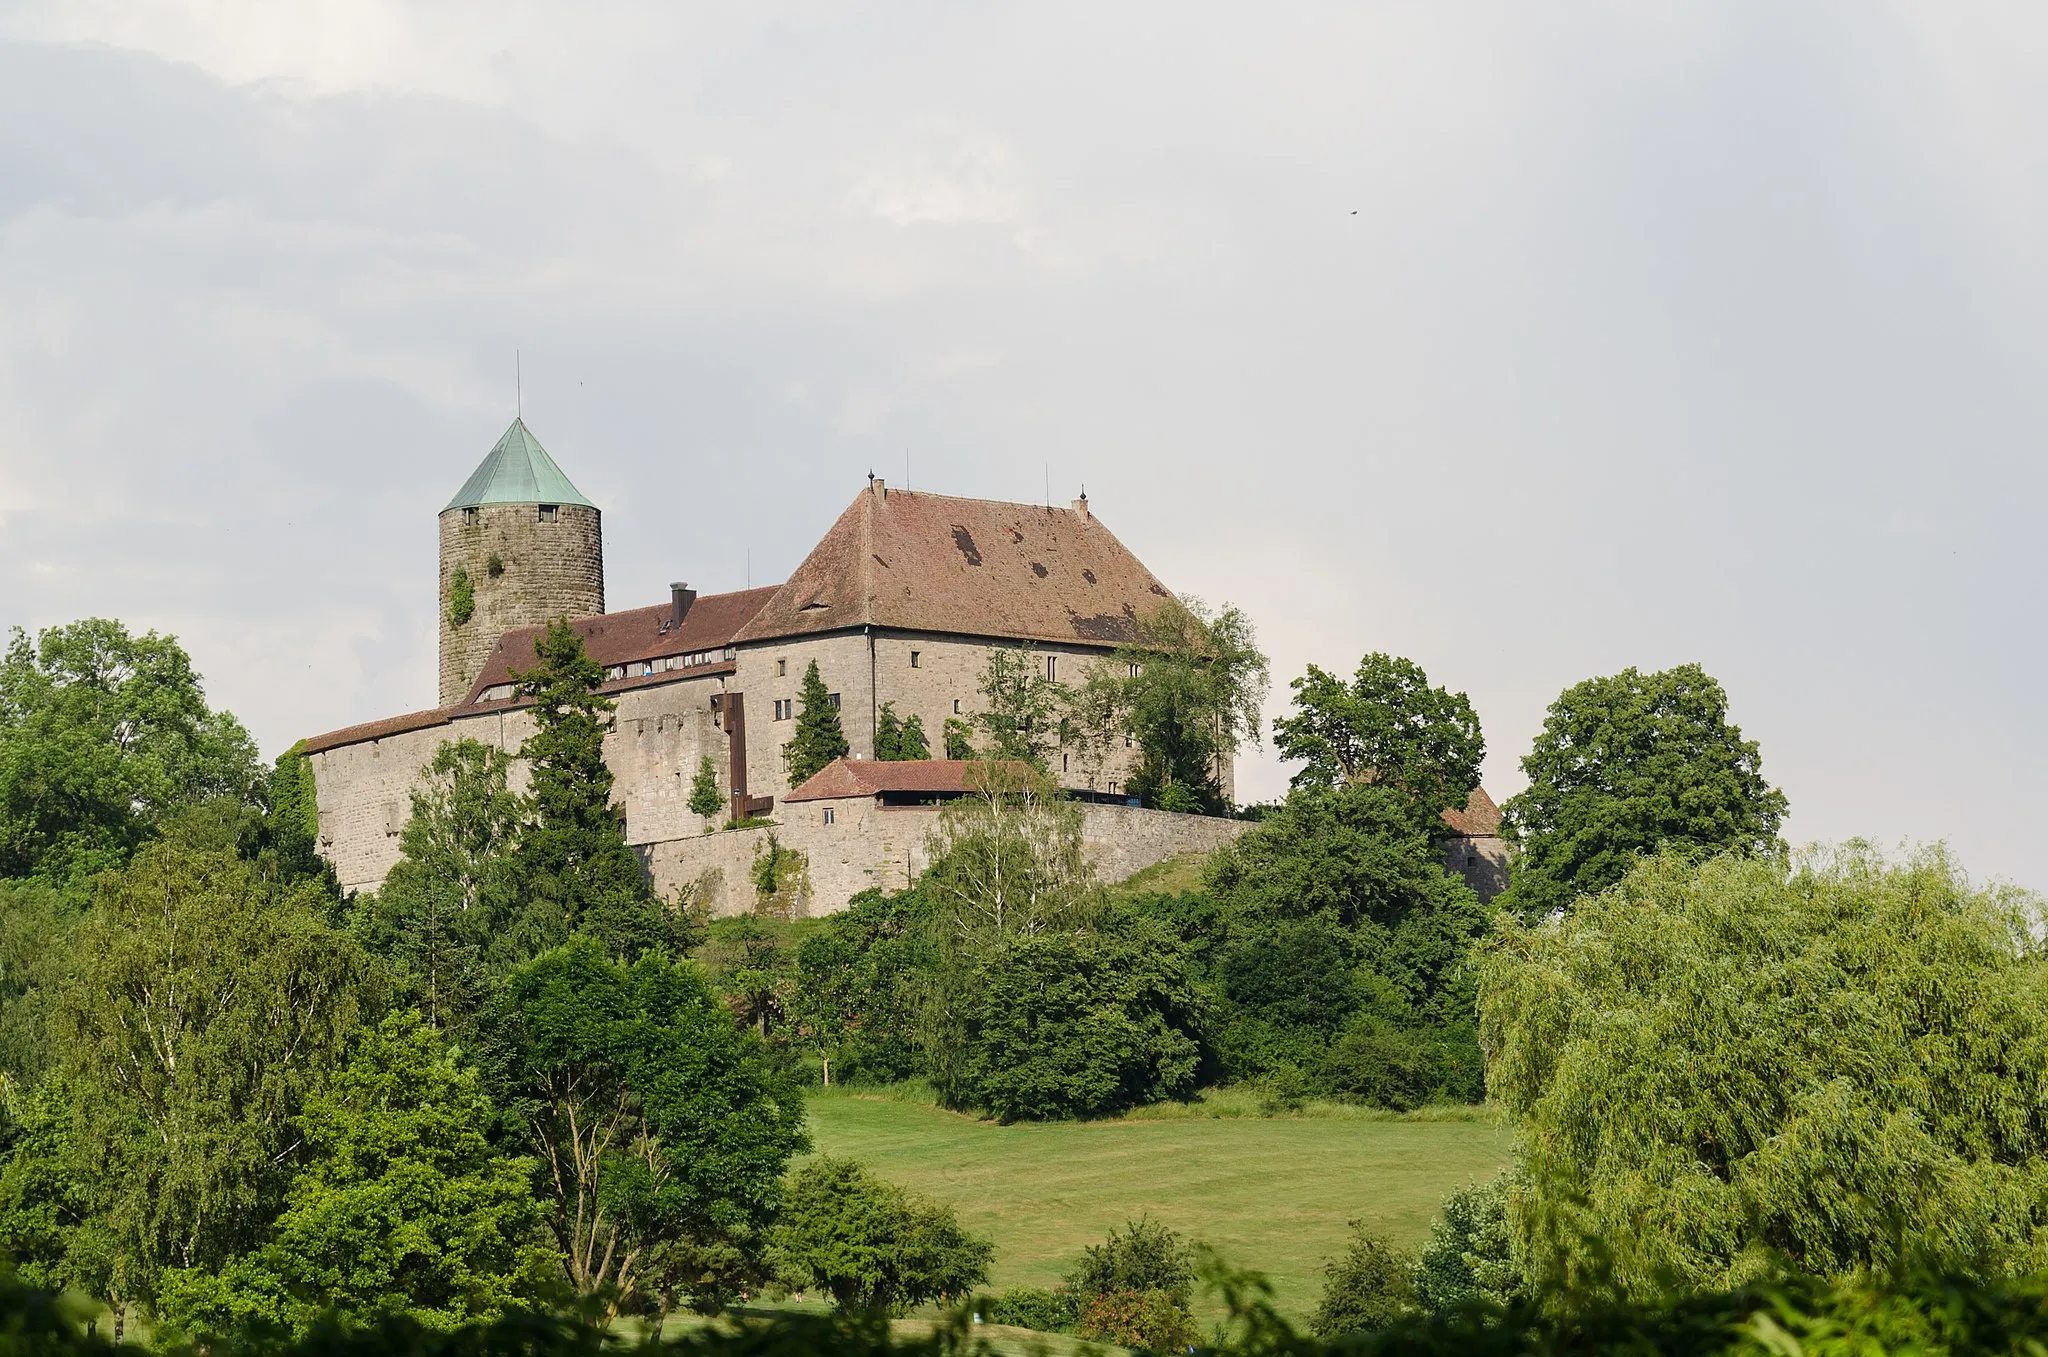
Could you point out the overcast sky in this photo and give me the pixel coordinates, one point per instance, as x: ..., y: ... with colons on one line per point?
x: 1527, y: 341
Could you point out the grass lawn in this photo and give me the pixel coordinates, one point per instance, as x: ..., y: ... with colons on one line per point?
x: 1272, y: 1193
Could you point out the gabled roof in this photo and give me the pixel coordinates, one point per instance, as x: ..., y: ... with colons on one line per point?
x: 632, y: 635
x: 1479, y: 820
x: 517, y: 471
x: 871, y: 777
x: 973, y: 567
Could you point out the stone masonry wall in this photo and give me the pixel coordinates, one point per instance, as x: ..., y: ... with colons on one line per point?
x: 550, y: 570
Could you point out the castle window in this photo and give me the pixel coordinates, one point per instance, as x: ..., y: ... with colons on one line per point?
x: 646, y: 669
x: 916, y: 659
x: 956, y: 706
x: 1134, y: 671
x: 1052, y: 667
x: 1063, y: 763
x: 548, y: 512
x: 828, y: 815
x: 469, y: 515
x: 833, y: 698
x: 783, y: 708
x: 782, y: 669
x: 730, y: 652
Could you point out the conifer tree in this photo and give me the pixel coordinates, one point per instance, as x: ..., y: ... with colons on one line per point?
x: 888, y: 735
x: 576, y: 873
x: 704, y: 796
x: 911, y: 744
x: 818, y: 739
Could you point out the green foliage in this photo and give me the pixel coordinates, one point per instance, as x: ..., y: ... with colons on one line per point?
x: 896, y: 739
x: 1032, y: 1307
x: 818, y: 739
x: 461, y: 598
x: 1725, y: 1070
x: 1388, y: 726
x: 1007, y: 858
x: 1469, y: 1256
x: 1020, y: 708
x: 752, y: 961
x: 1188, y: 691
x: 663, y: 1127
x: 576, y: 874
x: 1627, y: 765
x: 959, y: 738
x: 206, y: 1003
x: 1341, y: 947
x: 402, y: 1208
x: 1145, y: 1255
x: 872, y: 1245
x: 442, y: 915
x: 36, y: 949
x: 860, y: 986
x: 289, y: 835
x: 781, y: 878
x: 1368, y: 1288
x: 45, y: 1206
x: 705, y: 798
x: 1066, y: 1024
x: 1144, y: 1321
x: 103, y: 736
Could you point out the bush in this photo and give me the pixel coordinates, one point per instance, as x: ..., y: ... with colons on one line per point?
x: 1370, y: 1287
x: 1469, y: 1256
x: 1150, y: 1321
x: 1031, y: 1307
x: 874, y: 1246
x: 1143, y: 1256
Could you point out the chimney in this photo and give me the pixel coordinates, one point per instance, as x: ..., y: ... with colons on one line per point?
x: 680, y: 597
x: 878, y: 486
x: 1081, y: 507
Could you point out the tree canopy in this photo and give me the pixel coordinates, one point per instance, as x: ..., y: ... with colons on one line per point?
x: 1021, y: 707
x: 818, y: 739
x: 1387, y: 725
x: 103, y: 734
x: 1725, y: 1069
x: 1626, y: 765
x: 871, y: 1244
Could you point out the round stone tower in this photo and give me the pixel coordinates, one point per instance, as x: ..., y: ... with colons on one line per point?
x: 519, y: 545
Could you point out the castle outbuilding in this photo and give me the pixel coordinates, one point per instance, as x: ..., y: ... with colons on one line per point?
x: 898, y: 605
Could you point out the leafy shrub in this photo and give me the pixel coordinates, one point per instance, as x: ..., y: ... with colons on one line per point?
x: 1032, y: 1307
x: 1150, y: 1321
x: 1370, y: 1287
x: 1385, y: 1064
x: 874, y: 1246
x: 461, y: 598
x: 1469, y: 1255
x: 1143, y: 1256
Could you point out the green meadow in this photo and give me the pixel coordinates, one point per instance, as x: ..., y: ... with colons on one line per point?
x: 1273, y: 1193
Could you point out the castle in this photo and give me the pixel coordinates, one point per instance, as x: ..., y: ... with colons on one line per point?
x: 898, y: 604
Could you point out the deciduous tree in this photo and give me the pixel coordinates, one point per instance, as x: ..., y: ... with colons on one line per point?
x: 1021, y: 707
x: 1387, y: 725
x: 1626, y: 765
x: 872, y: 1245
x: 705, y: 798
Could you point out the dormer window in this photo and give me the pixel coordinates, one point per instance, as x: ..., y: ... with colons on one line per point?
x: 548, y: 512
x: 469, y: 514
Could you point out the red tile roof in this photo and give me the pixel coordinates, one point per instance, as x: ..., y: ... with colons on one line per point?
x: 1479, y: 820
x: 972, y: 567
x: 633, y: 635
x: 872, y: 777
x: 377, y: 730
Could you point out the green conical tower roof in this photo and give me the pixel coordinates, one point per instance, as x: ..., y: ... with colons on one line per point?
x: 517, y: 471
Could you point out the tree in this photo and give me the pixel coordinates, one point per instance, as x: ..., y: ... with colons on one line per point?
x: 449, y: 898
x: 289, y: 834
x: 1722, y: 1069
x: 47, y: 1230
x: 1368, y: 1288
x: 705, y: 798
x: 102, y: 736
x: 402, y: 1208
x: 1066, y: 1024
x: 1627, y: 765
x: 1145, y: 1255
x: 1007, y: 858
x: 1188, y: 691
x: 576, y: 873
x: 661, y: 1128
x: 818, y: 739
x: 37, y: 922
x: 897, y: 739
x: 1469, y: 1257
x: 205, y: 1005
x: 860, y: 986
x: 1021, y: 707
x: 1386, y: 725
x: 872, y: 1245
x: 959, y: 738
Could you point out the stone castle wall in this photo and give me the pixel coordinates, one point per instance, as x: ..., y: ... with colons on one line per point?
x: 549, y: 570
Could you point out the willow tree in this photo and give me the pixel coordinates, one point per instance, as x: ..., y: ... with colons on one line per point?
x: 1721, y: 1070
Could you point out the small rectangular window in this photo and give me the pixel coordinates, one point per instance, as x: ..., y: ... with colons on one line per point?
x: 917, y: 659
x: 956, y: 706
x: 547, y: 513
x: 1134, y: 671
x: 833, y: 698
x: 828, y: 815
x: 1052, y: 667
x: 782, y: 669
x: 1063, y: 763
x: 469, y: 515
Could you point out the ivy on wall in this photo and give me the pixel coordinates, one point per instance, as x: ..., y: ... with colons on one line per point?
x: 461, y: 598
